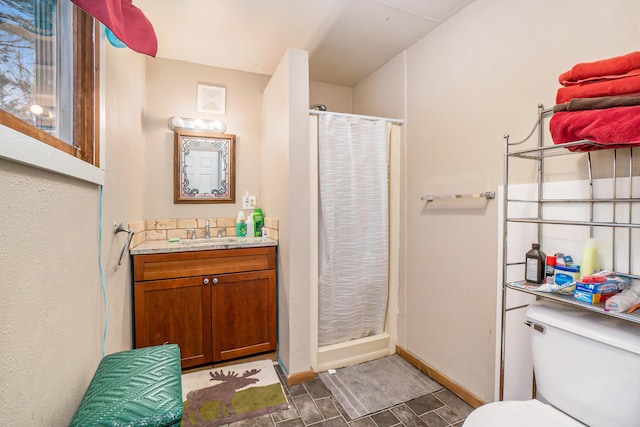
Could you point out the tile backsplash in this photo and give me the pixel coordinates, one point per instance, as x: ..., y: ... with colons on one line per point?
x: 164, y: 229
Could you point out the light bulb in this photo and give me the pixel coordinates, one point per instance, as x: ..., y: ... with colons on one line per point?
x: 218, y: 126
x: 176, y: 123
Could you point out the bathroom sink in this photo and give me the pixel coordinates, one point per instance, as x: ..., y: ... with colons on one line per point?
x: 211, y: 241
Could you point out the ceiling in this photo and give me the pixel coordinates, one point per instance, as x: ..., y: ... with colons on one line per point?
x: 346, y: 39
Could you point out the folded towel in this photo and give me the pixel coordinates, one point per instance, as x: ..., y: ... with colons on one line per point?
x: 626, y: 86
x: 605, y: 67
x: 614, y: 127
x: 603, y: 78
x: 579, y: 104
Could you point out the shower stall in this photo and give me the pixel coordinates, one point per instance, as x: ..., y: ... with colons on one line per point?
x: 354, y: 276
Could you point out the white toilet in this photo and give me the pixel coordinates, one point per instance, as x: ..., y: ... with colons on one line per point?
x: 587, y: 370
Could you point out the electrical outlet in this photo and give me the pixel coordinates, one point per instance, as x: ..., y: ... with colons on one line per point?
x: 248, y: 202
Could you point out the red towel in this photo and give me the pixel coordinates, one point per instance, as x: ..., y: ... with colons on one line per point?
x: 603, y: 78
x: 126, y: 21
x: 624, y: 86
x: 615, y: 127
x: 605, y: 67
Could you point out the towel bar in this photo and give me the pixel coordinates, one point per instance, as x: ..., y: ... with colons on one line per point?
x: 487, y: 195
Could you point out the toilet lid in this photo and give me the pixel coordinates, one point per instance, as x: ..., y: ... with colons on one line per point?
x: 530, y: 413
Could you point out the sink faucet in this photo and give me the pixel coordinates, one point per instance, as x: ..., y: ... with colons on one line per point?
x: 220, y: 232
x: 207, y: 233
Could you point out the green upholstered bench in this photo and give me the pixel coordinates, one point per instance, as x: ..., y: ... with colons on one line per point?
x: 140, y: 387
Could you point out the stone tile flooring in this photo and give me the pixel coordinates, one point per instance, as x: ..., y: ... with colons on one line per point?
x: 312, y: 404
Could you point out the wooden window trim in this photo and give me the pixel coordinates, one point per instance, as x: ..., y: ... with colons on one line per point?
x: 87, y: 67
x: 85, y: 109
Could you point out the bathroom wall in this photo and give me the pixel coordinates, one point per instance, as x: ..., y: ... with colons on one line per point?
x: 382, y: 94
x: 52, y: 313
x: 336, y: 98
x: 124, y: 191
x: 171, y: 88
x: 50, y: 295
x: 285, y: 173
x: 479, y: 76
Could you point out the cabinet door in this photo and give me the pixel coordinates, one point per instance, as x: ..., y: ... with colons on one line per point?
x: 176, y: 311
x: 244, y: 314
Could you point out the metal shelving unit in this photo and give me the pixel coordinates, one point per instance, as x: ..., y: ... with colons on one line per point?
x: 538, y: 153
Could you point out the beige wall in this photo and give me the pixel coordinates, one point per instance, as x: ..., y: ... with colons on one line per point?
x: 123, y: 193
x: 51, y: 317
x: 171, y: 88
x: 52, y: 313
x: 336, y: 98
x: 475, y: 78
x: 382, y: 94
x: 285, y: 173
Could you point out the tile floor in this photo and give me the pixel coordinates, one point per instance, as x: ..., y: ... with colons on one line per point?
x: 312, y: 404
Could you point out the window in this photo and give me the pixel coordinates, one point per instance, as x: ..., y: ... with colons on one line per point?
x: 48, y: 74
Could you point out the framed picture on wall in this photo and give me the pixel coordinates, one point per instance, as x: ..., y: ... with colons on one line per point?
x: 211, y: 99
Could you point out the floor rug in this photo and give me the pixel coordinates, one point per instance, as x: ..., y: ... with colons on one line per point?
x: 373, y: 386
x: 223, y: 395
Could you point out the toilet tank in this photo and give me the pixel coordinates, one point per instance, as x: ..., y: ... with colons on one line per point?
x: 586, y: 364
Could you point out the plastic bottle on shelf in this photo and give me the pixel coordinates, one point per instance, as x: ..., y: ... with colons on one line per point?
x: 535, y: 265
x: 250, y: 226
x: 589, y: 261
x: 258, y: 220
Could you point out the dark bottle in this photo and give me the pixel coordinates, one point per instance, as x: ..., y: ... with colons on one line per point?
x: 535, y: 265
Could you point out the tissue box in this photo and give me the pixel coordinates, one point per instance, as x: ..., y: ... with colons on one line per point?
x: 600, y: 288
x: 590, y: 297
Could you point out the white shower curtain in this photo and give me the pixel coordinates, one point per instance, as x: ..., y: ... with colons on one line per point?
x: 354, y: 227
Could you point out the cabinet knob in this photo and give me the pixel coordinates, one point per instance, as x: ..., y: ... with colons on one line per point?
x: 205, y: 281
x: 215, y: 280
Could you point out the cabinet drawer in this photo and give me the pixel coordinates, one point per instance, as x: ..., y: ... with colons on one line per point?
x: 200, y: 263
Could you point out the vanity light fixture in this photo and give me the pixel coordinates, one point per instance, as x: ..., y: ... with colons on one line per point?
x: 176, y: 123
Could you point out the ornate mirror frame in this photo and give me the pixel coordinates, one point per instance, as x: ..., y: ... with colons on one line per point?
x: 204, y: 167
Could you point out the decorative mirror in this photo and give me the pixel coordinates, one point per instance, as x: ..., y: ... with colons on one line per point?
x: 204, y: 167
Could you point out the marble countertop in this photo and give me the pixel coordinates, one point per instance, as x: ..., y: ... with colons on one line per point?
x: 190, y: 245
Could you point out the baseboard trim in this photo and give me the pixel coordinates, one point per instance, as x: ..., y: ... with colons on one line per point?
x: 300, y: 377
x: 455, y: 388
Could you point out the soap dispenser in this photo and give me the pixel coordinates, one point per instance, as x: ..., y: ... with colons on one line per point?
x: 241, y: 225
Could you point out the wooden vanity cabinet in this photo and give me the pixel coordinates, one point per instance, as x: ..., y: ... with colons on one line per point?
x: 215, y: 304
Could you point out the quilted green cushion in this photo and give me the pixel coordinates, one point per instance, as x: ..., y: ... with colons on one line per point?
x: 140, y: 387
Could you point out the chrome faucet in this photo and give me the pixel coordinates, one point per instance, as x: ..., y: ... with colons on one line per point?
x: 193, y: 232
x: 207, y: 233
x: 220, y: 232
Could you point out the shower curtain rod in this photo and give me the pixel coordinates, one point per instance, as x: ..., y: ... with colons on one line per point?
x: 320, y: 113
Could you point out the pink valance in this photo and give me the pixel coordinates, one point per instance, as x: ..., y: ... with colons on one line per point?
x: 126, y: 21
